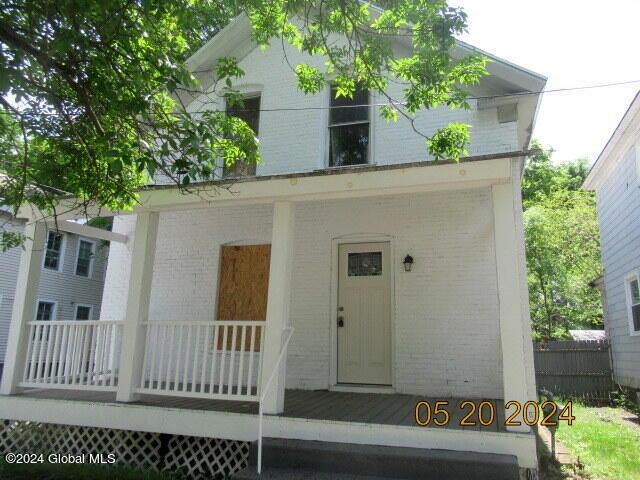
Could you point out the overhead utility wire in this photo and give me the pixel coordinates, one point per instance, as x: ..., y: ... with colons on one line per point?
x: 330, y: 107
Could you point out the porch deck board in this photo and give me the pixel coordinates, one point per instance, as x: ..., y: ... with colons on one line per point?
x: 372, y: 408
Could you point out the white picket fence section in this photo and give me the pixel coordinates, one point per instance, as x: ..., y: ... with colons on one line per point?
x: 215, y: 359
x: 79, y: 355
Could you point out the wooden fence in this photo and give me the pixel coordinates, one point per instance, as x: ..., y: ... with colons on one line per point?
x: 574, y: 369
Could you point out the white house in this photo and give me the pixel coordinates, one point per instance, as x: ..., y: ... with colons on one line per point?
x: 71, y: 282
x: 615, y: 177
x: 291, y: 293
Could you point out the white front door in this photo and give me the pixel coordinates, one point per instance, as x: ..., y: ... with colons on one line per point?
x: 364, y: 314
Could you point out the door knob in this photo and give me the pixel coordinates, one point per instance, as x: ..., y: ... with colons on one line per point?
x: 341, y: 321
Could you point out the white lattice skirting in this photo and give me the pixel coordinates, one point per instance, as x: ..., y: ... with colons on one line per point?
x: 194, y: 456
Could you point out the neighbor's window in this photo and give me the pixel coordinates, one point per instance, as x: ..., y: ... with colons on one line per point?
x: 45, y: 311
x: 53, y: 253
x: 249, y: 111
x: 349, y: 129
x: 84, y: 262
x: 633, y: 301
x: 83, y: 312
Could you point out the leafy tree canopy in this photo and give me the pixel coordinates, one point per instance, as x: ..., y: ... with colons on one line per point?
x: 563, y: 249
x: 91, y: 91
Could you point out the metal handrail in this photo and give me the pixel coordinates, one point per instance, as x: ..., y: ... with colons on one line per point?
x: 264, y: 392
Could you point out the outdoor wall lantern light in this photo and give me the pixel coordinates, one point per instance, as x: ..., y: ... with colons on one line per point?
x: 408, y: 263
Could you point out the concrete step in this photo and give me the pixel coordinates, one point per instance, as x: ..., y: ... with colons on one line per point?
x: 354, y: 462
x: 272, y: 473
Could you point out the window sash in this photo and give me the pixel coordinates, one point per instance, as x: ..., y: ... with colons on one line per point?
x: 53, y: 251
x: 633, y: 292
x: 249, y: 111
x: 45, y: 311
x: 85, y: 257
x: 349, y: 113
x: 84, y: 308
x: 347, y: 150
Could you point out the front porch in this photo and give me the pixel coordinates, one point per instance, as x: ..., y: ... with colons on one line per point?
x: 163, y: 358
x: 327, y: 416
x: 391, y: 409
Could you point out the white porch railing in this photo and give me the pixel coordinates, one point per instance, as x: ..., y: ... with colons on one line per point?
x: 216, y: 360
x: 80, y: 355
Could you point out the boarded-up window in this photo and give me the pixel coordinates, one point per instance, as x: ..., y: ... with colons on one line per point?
x: 243, y: 286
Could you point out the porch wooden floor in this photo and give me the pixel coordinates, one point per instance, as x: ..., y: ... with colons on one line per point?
x: 371, y: 408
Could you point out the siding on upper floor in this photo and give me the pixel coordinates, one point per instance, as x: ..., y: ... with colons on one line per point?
x: 297, y: 140
x: 619, y: 215
x: 63, y: 287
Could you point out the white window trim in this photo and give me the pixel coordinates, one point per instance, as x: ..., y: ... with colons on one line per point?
x: 63, y: 247
x: 91, y: 260
x: 637, y: 148
x: 54, y: 313
x: 327, y: 135
x: 75, y: 311
x: 629, y: 277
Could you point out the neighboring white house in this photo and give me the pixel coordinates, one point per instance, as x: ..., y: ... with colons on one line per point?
x: 71, y: 283
x: 342, y: 283
x: 615, y: 176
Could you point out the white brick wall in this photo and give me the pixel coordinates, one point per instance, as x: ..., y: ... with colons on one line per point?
x: 446, y: 310
x: 297, y: 140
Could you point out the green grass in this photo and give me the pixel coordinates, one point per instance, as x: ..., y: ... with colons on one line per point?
x: 47, y: 471
x: 602, y: 440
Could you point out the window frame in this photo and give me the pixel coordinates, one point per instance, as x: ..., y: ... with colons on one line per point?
x: 328, y: 126
x: 63, y: 245
x: 248, y: 95
x: 637, y: 154
x: 630, y: 277
x: 54, y: 310
x: 91, y: 260
x: 82, y: 305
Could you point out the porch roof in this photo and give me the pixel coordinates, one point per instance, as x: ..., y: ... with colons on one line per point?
x: 322, y: 184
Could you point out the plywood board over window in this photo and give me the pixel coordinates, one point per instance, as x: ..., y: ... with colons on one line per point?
x: 243, y: 285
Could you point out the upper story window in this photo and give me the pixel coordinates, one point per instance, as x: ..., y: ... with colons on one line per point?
x: 249, y: 111
x: 632, y: 286
x: 349, y: 129
x: 83, y: 312
x: 84, y: 260
x: 53, y: 253
x: 45, y: 311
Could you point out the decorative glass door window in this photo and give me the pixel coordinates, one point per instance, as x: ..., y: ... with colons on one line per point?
x: 365, y: 264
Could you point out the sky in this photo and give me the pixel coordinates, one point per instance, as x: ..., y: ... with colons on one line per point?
x: 573, y: 43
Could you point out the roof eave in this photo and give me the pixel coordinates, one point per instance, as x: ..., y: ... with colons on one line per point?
x: 593, y: 177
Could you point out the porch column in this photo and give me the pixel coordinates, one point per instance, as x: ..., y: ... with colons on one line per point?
x: 510, y: 298
x: 278, y: 304
x: 137, y: 312
x: 24, y: 303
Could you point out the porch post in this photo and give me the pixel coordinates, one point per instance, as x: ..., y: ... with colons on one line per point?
x: 24, y: 302
x: 137, y: 312
x: 510, y: 297
x: 278, y: 304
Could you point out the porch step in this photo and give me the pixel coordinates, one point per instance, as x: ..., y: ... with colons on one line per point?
x: 282, y: 458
